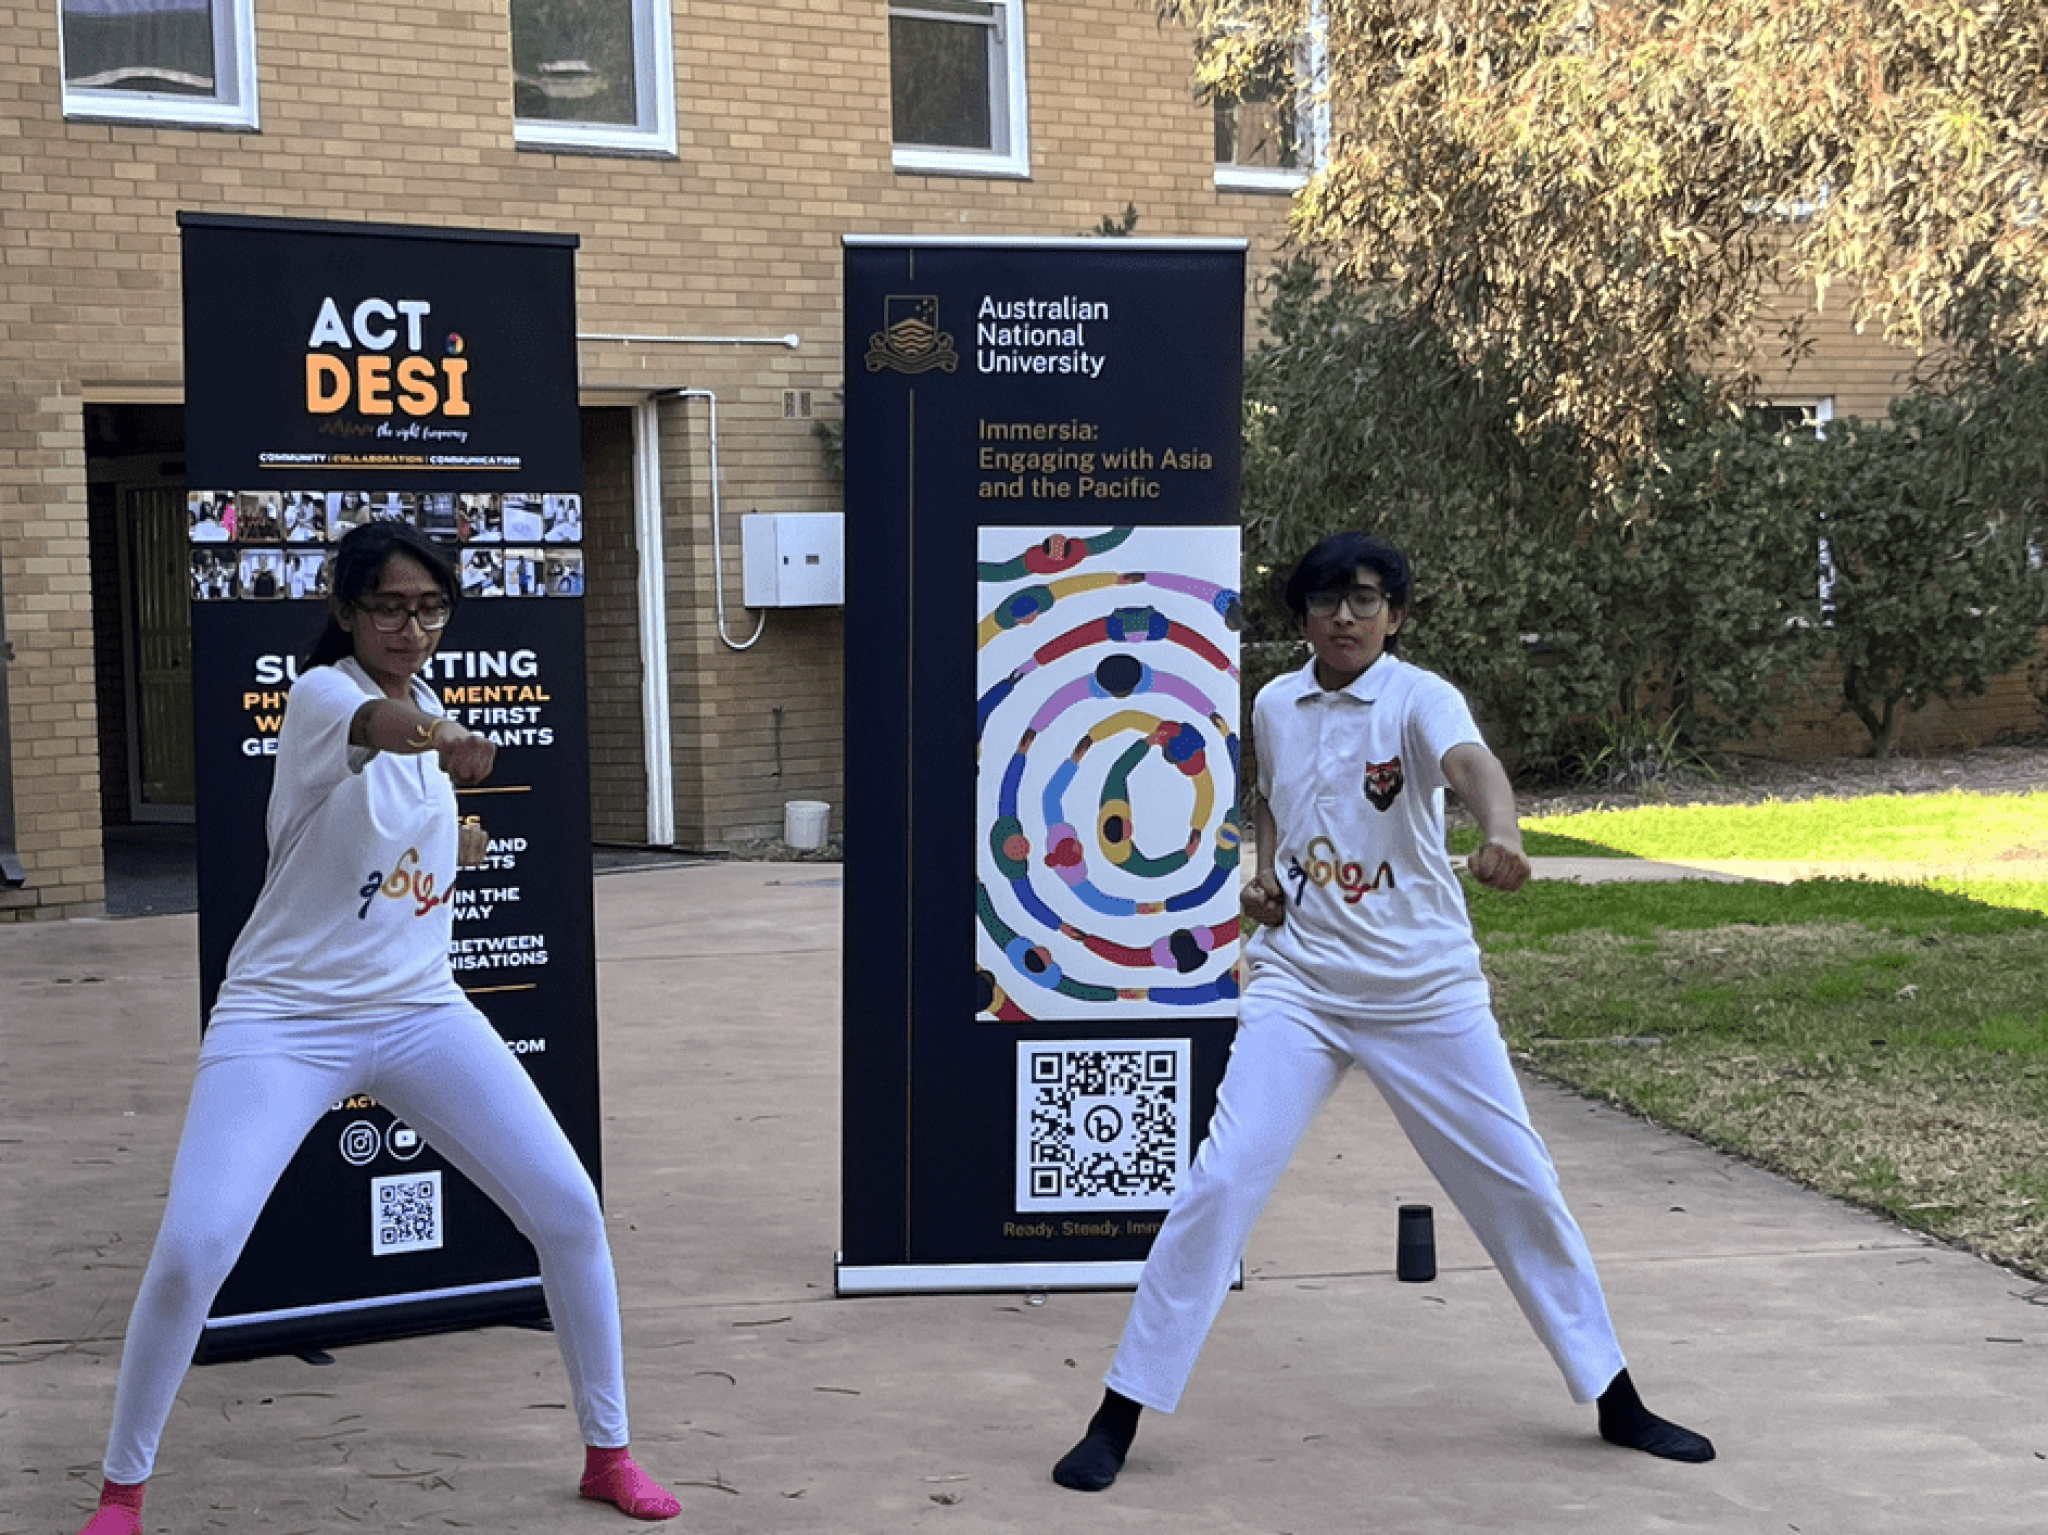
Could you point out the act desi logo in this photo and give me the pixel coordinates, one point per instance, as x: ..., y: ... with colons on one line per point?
x: 369, y: 376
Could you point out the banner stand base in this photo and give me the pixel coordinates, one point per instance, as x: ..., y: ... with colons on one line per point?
x: 966, y: 1278
x: 302, y: 1330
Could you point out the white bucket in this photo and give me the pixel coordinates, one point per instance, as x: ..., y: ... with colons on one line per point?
x: 804, y: 822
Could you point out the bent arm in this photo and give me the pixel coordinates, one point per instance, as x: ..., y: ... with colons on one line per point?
x: 1262, y: 899
x: 1477, y: 778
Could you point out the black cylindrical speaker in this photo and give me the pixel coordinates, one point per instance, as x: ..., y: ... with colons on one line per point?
x: 1415, y: 1246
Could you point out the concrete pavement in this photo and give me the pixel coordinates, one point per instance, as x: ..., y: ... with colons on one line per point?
x: 1856, y: 1378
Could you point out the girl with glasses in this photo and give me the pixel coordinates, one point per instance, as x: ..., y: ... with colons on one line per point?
x: 340, y: 983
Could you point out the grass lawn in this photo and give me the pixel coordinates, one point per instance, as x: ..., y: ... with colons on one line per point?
x: 1877, y: 828
x: 1877, y: 1038
x: 1991, y: 847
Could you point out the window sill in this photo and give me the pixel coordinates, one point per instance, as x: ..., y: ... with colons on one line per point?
x: 566, y: 139
x: 1253, y: 178
x: 940, y: 162
x: 160, y: 114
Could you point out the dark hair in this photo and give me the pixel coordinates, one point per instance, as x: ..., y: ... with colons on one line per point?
x: 1333, y: 565
x: 359, y: 559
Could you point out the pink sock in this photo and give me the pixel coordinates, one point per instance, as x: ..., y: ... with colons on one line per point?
x: 120, y: 1510
x: 612, y: 1476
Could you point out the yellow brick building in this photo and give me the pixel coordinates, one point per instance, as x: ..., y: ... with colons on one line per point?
x: 709, y: 157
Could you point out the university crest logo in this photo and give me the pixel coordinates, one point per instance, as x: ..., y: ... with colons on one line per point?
x: 910, y: 340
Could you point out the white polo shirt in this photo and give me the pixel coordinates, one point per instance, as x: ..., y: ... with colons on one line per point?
x: 357, y: 904
x: 1377, y: 925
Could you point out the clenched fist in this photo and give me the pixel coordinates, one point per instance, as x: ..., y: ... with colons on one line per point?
x: 1499, y: 867
x: 1263, y: 900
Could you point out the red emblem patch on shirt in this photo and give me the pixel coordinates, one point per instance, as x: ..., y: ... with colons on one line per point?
x: 1383, y: 782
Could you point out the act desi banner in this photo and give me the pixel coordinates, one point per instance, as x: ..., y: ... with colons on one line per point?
x: 313, y: 357
x: 370, y: 1232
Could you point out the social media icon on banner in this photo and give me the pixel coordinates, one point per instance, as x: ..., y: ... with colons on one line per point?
x: 403, y: 1141
x: 359, y: 1143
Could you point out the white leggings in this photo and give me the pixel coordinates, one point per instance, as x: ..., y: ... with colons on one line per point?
x: 444, y: 1070
x: 1449, y: 1082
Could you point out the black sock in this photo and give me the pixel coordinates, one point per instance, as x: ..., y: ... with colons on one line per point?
x: 1093, y: 1464
x: 1625, y: 1421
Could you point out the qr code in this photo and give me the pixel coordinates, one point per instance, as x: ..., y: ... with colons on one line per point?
x: 405, y: 1214
x: 1101, y: 1124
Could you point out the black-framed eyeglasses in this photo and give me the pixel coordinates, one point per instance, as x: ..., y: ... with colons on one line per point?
x: 1364, y: 602
x: 388, y: 615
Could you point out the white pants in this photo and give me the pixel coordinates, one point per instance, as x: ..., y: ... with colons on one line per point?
x: 260, y: 1087
x: 1449, y: 1082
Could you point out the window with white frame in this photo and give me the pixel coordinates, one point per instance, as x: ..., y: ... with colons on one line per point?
x: 596, y: 75
x: 190, y: 63
x: 1272, y: 135
x: 956, y: 86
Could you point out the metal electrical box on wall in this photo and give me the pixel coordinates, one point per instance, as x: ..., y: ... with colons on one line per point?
x: 793, y: 559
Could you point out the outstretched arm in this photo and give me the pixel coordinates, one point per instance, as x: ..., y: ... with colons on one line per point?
x: 392, y: 725
x: 1477, y: 778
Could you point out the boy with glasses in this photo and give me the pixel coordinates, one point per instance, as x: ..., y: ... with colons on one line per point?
x: 1362, y: 954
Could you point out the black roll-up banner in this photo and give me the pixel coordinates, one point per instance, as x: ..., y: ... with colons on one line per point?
x: 335, y: 374
x: 1041, y: 920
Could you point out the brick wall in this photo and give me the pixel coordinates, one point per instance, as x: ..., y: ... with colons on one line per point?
x: 1836, y: 360
x: 44, y: 574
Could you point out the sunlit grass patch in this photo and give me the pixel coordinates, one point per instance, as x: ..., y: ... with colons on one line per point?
x: 1996, y: 890
x: 1957, y: 826
x: 1992, y: 848
x: 1884, y: 1043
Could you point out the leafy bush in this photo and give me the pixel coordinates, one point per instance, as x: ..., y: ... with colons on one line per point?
x: 1642, y: 628
x: 1358, y: 415
x: 1710, y: 588
x: 1932, y: 532
x: 1567, y: 620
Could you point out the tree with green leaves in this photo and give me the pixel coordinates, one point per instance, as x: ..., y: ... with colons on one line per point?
x: 1595, y: 197
x: 1582, y: 640
x: 1359, y: 414
x: 1931, y: 528
x: 1682, y: 617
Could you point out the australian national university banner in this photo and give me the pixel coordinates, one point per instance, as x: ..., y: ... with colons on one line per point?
x: 1041, y: 930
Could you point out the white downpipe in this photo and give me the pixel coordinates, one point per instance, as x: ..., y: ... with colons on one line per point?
x: 656, y: 732
x: 654, y: 699
x: 717, y: 528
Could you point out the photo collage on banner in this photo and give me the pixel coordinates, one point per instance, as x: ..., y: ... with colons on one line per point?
x: 272, y: 545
